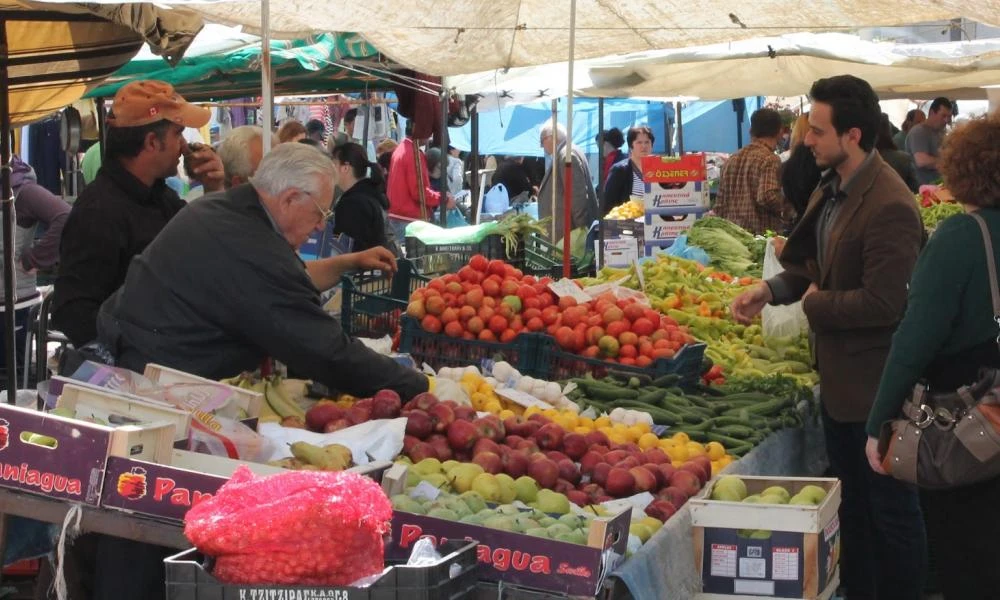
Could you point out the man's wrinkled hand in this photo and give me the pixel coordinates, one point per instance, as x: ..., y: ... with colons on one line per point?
x: 377, y: 258
x: 208, y: 169
x: 748, y: 305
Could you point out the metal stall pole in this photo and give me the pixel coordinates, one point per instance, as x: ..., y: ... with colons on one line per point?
x: 668, y: 146
x: 443, y: 160
x: 680, y: 127
x: 600, y: 179
x: 7, y: 197
x: 474, y: 183
x: 266, y: 89
x: 568, y: 179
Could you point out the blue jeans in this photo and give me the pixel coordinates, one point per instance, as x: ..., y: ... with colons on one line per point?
x: 883, y: 544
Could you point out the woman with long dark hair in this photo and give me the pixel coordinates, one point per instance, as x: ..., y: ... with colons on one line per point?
x: 899, y: 160
x: 362, y: 211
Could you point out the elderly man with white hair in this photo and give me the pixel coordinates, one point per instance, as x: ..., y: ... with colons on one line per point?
x: 222, y: 288
x: 241, y: 152
x: 584, y: 207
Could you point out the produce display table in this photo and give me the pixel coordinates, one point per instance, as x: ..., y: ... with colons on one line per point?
x: 664, y: 566
x: 92, y: 520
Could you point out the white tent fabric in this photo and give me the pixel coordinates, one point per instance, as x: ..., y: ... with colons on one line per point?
x: 450, y: 37
x: 775, y: 66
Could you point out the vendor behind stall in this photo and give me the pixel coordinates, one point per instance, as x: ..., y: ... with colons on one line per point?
x: 221, y: 287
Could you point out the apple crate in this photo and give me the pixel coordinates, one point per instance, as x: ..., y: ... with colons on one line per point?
x: 454, y: 577
x: 374, y: 300
x: 555, y: 364
x: 67, y: 457
x: 89, y: 402
x: 438, y: 350
x: 248, y: 401
x: 785, y: 551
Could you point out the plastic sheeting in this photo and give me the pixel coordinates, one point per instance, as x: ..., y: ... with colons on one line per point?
x: 448, y: 37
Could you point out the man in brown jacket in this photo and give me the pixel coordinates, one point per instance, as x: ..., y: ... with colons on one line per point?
x: 849, y: 260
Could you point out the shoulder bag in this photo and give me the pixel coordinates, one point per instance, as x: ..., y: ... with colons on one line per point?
x: 947, y: 440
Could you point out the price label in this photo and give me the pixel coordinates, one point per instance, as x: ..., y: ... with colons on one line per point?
x: 522, y: 398
x: 565, y: 287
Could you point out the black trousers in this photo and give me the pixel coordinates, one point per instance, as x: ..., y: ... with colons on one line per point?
x: 883, y: 545
x: 963, y: 526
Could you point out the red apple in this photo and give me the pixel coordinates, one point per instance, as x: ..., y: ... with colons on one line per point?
x: 528, y: 446
x: 620, y: 483
x: 419, y: 424
x: 593, y: 491
x: 644, y: 480
x: 512, y: 440
x: 421, y: 451
x: 556, y: 455
x: 386, y: 404
x: 408, y: 442
x: 673, y: 495
x: 698, y: 471
x: 544, y: 472
x: 465, y: 413
x: 359, y: 414
x: 322, y: 413
x: 578, y: 498
x: 443, y: 415
x: 568, y: 471
x: 462, y: 435
x: 630, y: 448
x: 603, y: 499
x: 490, y: 427
x: 562, y: 486
x: 600, y: 474
x: 490, y: 462
x: 441, y: 446
x: 540, y: 419
x: 485, y: 445
x: 655, y: 456
x: 575, y: 445
x: 660, y: 509
x: 595, y: 438
x: 661, y: 481
x: 550, y: 436
x: 530, y: 428
x: 336, y: 425
x: 667, y: 471
x: 514, y: 426
x: 628, y: 462
x: 516, y: 463
x: 600, y: 449
x: 423, y: 401
x: 590, y: 460
x: 615, y: 456
x: 686, y: 481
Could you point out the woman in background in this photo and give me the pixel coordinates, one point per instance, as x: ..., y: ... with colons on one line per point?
x: 799, y: 173
x: 625, y: 177
x: 362, y: 211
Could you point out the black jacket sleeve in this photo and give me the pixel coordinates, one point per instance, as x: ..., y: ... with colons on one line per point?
x: 618, y: 188
x: 357, y: 216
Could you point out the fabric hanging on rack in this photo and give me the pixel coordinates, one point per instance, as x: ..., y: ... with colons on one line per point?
x: 46, y: 155
x: 421, y: 107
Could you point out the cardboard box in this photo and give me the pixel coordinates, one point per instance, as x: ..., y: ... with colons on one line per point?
x: 674, y: 169
x: 88, y: 402
x: 248, y: 400
x: 74, y: 468
x: 516, y: 558
x: 619, y: 253
x: 667, y: 227
x: 784, y: 551
x: 169, y: 489
x: 671, y: 195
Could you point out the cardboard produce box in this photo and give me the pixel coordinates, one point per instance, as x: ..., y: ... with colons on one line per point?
x: 247, y: 400
x: 89, y: 402
x: 745, y: 550
x: 65, y: 458
x: 691, y: 194
x: 168, y: 489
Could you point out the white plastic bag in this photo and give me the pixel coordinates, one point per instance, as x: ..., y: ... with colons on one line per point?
x: 780, y: 321
x: 497, y: 200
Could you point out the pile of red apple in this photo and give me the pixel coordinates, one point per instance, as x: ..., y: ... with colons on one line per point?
x: 588, y: 468
x: 326, y: 416
x: 490, y: 300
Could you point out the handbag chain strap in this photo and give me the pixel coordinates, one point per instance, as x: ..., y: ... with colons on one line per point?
x: 991, y: 268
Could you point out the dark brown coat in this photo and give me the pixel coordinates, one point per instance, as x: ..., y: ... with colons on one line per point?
x: 872, y: 247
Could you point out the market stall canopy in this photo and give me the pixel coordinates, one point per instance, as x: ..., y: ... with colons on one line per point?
x: 776, y: 66
x: 324, y: 63
x: 450, y: 37
x: 57, y: 52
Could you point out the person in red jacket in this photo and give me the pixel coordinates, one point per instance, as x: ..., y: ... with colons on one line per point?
x: 406, y: 185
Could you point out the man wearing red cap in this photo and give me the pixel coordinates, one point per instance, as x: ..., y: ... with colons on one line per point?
x: 126, y: 206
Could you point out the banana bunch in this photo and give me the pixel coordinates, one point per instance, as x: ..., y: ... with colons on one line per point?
x: 310, y: 457
x: 282, y: 397
x: 633, y: 209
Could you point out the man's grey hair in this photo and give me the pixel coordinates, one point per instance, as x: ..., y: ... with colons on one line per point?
x: 547, y: 131
x: 293, y: 166
x: 234, y: 152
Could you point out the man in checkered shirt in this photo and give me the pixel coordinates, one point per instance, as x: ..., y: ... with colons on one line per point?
x: 749, y: 188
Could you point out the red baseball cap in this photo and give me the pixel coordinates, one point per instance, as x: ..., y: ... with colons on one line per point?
x: 143, y: 102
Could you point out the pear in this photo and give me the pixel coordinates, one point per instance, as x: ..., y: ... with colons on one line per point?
x: 448, y: 465
x: 558, y: 529
x: 522, y: 523
x: 443, y: 513
x: 777, y: 490
x: 640, y: 531
x: 42, y: 440
x: 754, y: 499
x: 404, y: 503
x: 538, y: 532
x: 526, y: 489
x: 437, y: 480
x: 428, y: 466
x: 504, y: 522
x: 474, y: 500
x: 64, y: 411
x: 508, y: 491
x: 552, y: 502
x: 463, y: 475
x: 547, y: 521
x: 573, y: 537
x: 488, y: 486
x: 329, y: 458
x: 508, y: 509
x: 573, y: 521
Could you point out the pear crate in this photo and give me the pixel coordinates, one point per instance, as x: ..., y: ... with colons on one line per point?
x: 767, y: 536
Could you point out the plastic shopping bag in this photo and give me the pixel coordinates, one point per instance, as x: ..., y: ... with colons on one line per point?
x: 497, y: 200
x: 781, y: 321
x: 681, y: 249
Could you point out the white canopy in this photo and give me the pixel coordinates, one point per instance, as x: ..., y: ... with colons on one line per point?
x: 450, y: 37
x: 774, y: 66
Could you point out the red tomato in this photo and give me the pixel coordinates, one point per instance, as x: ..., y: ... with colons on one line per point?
x: 531, y: 313
x: 534, y: 302
x: 474, y: 297
x: 628, y: 351
x: 643, y: 361
x: 491, y: 288
x: 479, y: 263
x: 566, y: 302
x: 475, y: 325
x: 487, y: 336
x: 625, y: 360
x: 550, y: 315
x: 465, y: 313
x: 591, y: 351
x: 497, y: 267
x: 634, y: 311
x: 627, y: 338
x: 565, y: 338
x: 497, y: 324
x: 535, y: 324
x: 616, y: 328
x: 643, y: 326
x: 431, y: 323
x: 453, y: 329
x: 508, y: 336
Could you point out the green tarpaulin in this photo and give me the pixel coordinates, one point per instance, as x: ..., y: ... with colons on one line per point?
x: 317, y: 64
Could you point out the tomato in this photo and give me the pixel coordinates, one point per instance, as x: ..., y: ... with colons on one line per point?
x: 531, y: 313
x: 628, y: 338
x: 497, y: 324
x: 612, y: 314
x: 550, y: 315
x: 663, y: 353
x: 628, y: 351
x: 509, y: 287
x: 485, y: 313
x: 571, y: 317
x: 416, y: 309
x: 475, y: 325
x: 479, y: 263
x: 497, y: 267
x: 468, y: 274
x: 516, y: 324
x: 643, y: 326
x: 429, y: 291
x: 616, y: 328
x: 418, y: 294
x: 643, y: 361
x: 591, y: 351
x: 465, y: 313
x: 450, y: 278
x: 508, y: 336
x: 505, y: 310
x: 431, y: 323
x: 566, y: 302
x: 634, y: 311
x: 435, y: 305
x: 646, y: 349
x: 534, y: 302
x: 535, y: 324
x: 529, y: 280
x: 676, y: 336
x: 454, y: 287
x: 453, y: 329
x: 526, y: 291
x: 474, y: 297
x: 450, y: 315
x: 565, y: 338
x: 436, y: 284
x: 594, y: 319
x: 625, y: 360
x: 579, y: 339
x: 487, y: 336
x: 491, y: 288
x: 661, y: 344
x: 594, y: 334
x: 667, y: 321
x: 652, y: 315
x: 551, y: 329
x: 489, y: 301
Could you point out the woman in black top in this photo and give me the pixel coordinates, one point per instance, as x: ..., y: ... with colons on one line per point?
x: 362, y: 211
x: 625, y: 176
x: 899, y: 160
x: 799, y: 174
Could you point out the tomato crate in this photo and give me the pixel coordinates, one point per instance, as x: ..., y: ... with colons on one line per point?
x: 491, y: 247
x: 374, y: 300
x: 454, y: 577
x: 554, y: 364
x: 543, y: 258
x: 439, y: 350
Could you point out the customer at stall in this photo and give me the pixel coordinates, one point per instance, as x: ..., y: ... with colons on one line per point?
x: 947, y: 335
x: 849, y: 260
x: 250, y: 296
x: 241, y: 152
x: 584, y: 208
x: 411, y: 196
x: 914, y: 117
x: 799, y: 174
x: 625, y: 177
x: 900, y: 161
x: 924, y: 140
x: 610, y: 144
x: 514, y: 177
x: 749, y: 189
x: 291, y: 131
x: 362, y: 210
x: 127, y: 205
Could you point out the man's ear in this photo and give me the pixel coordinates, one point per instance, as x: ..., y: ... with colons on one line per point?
x: 152, y: 142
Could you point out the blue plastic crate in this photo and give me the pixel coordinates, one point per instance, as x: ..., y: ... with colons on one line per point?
x: 373, y: 301
x: 554, y: 364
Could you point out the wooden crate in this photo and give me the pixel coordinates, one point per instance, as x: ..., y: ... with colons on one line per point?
x: 248, y: 400
x: 88, y: 402
x: 794, y: 554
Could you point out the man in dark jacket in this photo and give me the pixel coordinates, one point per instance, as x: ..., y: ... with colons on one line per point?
x: 128, y: 203
x: 849, y: 260
x: 221, y: 287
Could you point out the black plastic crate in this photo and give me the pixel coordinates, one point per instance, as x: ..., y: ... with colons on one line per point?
x: 491, y: 247
x: 555, y: 364
x: 189, y: 577
x: 439, y: 350
x: 623, y: 228
x: 373, y: 301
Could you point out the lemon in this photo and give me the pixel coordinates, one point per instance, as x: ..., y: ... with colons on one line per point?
x: 695, y: 449
x: 681, y: 437
x: 715, y: 450
x: 648, y: 440
x: 678, y: 453
x: 531, y: 410
x: 506, y: 414
x: 601, y: 422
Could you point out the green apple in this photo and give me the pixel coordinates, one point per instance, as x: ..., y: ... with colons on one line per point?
x: 773, y: 499
x: 640, y: 531
x: 816, y: 493
x: 799, y: 499
x: 732, y: 486
x: 727, y: 495
x: 754, y: 499
x: 760, y: 534
x: 777, y: 490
